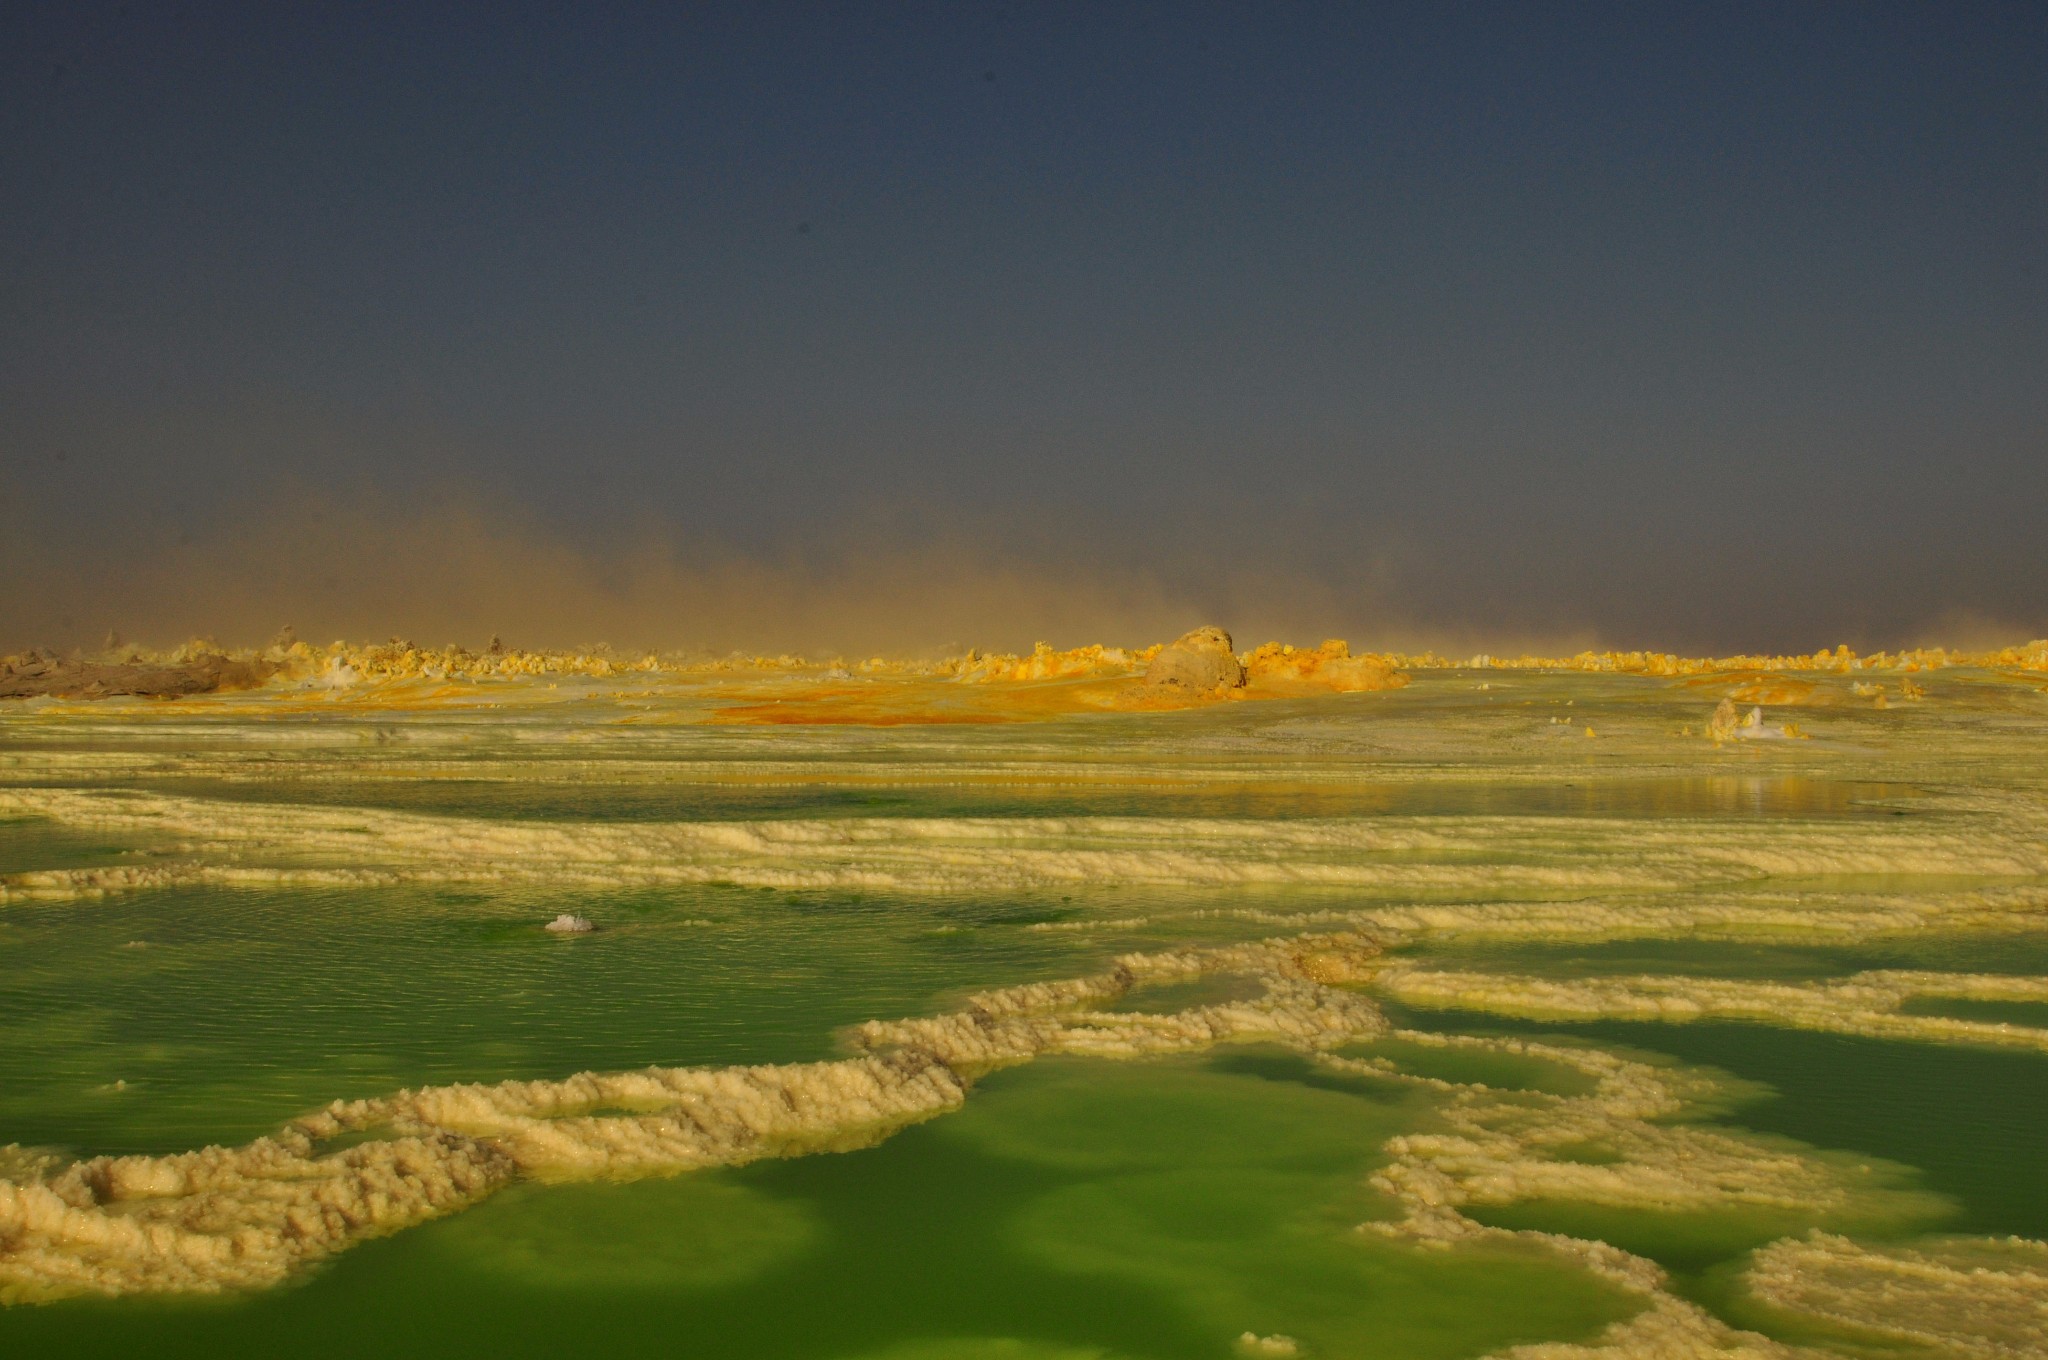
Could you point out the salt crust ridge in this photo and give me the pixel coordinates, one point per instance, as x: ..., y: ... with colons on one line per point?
x: 1750, y: 915
x: 1917, y: 1292
x: 244, y: 1217
x: 1866, y: 1004
x: 247, y: 1217
x: 1968, y: 1297
x: 225, y: 843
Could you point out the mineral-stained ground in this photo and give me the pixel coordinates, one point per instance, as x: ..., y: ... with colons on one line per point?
x: 1017, y: 1007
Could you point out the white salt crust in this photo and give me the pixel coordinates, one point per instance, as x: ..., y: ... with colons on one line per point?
x: 1966, y: 1297
x: 222, y: 842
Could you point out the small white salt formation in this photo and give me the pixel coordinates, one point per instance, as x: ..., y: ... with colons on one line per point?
x: 1754, y: 728
x: 1725, y: 727
x: 566, y: 924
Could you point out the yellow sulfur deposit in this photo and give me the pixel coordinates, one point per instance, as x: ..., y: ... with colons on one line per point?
x: 1329, y: 668
x: 788, y: 690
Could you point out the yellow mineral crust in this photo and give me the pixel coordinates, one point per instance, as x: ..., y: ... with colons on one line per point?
x: 2031, y: 656
x: 1052, y: 684
x: 345, y: 663
x: 1327, y: 669
x: 245, y: 1217
x: 1756, y: 688
x: 1047, y: 663
x: 1867, y: 1004
x: 795, y: 691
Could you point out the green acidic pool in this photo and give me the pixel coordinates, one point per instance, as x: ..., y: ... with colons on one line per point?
x: 1074, y: 1208
x: 323, y: 923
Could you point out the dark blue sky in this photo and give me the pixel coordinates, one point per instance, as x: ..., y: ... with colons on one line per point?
x: 1700, y: 326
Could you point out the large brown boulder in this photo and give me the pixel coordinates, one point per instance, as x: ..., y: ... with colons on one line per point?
x: 1200, y: 661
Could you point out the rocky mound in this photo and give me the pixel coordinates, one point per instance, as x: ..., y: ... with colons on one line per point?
x: 38, y: 674
x: 1200, y: 661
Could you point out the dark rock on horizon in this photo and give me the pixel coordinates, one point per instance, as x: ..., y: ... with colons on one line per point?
x: 37, y: 675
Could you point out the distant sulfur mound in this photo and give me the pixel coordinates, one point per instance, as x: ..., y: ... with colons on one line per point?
x: 1330, y: 668
x: 1200, y: 661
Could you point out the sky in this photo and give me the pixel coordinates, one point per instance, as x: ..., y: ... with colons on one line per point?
x: 1700, y: 327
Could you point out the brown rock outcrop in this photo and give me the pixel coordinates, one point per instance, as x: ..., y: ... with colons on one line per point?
x: 1200, y: 661
x: 36, y: 675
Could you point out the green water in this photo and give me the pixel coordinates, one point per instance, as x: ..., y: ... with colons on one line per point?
x: 1509, y: 1071
x: 820, y: 792
x: 2032, y: 1014
x: 1971, y: 1122
x: 1074, y: 1209
x: 2014, y: 953
x: 28, y: 844
x: 222, y: 1014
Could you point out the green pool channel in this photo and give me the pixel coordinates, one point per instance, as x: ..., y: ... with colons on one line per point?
x: 819, y: 793
x: 1074, y: 1208
x: 1965, y: 1123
